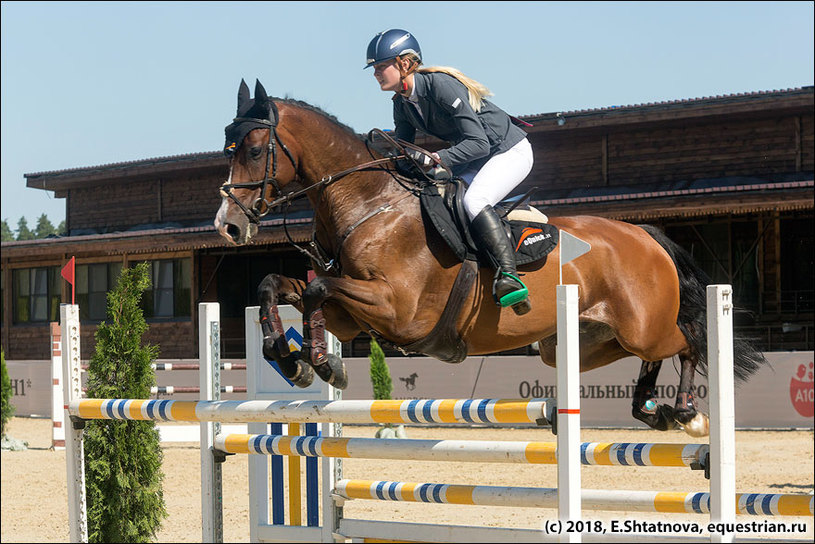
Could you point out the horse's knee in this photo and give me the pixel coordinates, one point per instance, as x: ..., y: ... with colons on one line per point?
x: 316, y: 291
x: 268, y: 289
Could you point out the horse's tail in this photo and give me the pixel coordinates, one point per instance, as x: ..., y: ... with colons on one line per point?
x: 692, y: 318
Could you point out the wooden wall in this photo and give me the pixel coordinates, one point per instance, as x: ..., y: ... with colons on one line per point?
x: 187, y: 199
x: 672, y: 152
x: 177, y: 340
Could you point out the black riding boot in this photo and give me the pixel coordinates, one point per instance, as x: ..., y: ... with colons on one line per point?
x: 507, y: 289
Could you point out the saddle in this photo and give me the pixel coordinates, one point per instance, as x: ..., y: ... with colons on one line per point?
x: 533, y: 238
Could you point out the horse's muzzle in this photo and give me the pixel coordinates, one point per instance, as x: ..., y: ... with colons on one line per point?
x: 234, y: 225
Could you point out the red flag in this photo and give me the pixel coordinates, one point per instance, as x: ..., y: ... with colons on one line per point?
x: 68, y: 273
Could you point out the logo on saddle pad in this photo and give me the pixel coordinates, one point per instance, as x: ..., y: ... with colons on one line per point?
x: 531, y: 235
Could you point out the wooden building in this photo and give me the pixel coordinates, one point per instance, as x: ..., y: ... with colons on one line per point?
x: 729, y: 177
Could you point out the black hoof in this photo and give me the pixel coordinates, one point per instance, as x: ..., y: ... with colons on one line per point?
x: 332, y: 371
x: 304, y: 376
x: 296, y: 370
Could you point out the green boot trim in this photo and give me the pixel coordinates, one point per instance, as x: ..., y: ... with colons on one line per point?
x: 519, y: 295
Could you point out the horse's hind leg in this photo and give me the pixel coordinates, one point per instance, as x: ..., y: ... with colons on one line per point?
x: 694, y: 422
x: 645, y: 406
x: 272, y: 289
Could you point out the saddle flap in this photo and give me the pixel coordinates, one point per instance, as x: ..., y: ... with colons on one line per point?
x: 533, y: 238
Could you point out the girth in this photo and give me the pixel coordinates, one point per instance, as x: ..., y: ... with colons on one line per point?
x: 443, y: 342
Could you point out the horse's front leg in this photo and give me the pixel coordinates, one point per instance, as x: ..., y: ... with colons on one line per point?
x: 328, y: 366
x: 272, y: 289
x: 369, y: 300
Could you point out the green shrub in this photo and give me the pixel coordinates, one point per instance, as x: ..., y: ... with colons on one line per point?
x: 123, y: 473
x: 7, y: 407
x: 380, y: 374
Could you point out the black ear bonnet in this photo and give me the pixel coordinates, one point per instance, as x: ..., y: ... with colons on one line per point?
x: 260, y: 112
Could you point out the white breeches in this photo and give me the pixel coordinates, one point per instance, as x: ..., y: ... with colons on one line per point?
x: 499, y: 175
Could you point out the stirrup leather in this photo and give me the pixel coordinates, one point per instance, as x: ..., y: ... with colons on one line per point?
x: 514, y: 297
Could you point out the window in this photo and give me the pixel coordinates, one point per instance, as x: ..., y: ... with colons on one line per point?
x: 37, y: 293
x: 169, y: 295
x: 93, y: 281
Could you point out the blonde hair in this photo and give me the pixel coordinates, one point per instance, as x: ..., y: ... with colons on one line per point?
x: 475, y: 90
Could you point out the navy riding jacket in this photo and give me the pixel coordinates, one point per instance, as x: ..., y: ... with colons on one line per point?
x: 447, y: 115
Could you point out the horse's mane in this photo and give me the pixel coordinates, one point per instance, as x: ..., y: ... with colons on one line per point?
x: 318, y: 110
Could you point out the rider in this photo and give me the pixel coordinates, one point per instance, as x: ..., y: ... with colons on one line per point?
x: 488, y: 151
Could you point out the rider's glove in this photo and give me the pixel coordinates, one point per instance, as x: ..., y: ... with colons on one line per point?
x: 425, y: 161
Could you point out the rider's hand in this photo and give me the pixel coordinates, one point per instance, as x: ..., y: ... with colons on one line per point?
x: 425, y: 161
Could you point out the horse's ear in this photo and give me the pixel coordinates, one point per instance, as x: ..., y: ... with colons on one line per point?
x: 260, y: 93
x: 243, y: 95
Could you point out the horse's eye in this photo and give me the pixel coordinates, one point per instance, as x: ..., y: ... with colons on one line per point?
x: 255, y: 152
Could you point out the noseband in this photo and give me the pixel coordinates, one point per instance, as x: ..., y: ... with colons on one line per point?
x: 257, y: 210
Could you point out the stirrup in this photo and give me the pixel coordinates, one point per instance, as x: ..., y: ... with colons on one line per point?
x: 513, y: 298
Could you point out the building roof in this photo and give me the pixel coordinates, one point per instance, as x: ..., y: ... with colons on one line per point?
x: 800, y: 97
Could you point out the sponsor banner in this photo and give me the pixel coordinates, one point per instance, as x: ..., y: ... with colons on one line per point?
x: 779, y: 396
x: 30, y: 387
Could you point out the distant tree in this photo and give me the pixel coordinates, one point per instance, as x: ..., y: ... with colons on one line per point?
x: 62, y: 229
x: 44, y: 227
x: 23, y: 232
x: 8, y: 236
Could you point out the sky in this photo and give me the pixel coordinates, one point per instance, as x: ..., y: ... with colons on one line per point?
x: 93, y: 83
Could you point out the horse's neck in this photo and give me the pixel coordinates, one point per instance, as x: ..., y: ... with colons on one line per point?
x: 350, y: 201
x: 326, y: 151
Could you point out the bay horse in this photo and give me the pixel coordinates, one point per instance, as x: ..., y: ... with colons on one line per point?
x: 380, y: 268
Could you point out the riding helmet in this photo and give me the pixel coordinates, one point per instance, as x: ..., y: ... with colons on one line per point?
x: 390, y: 44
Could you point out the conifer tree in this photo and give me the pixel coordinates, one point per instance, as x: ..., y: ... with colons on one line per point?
x: 23, y: 232
x: 7, y: 409
x: 380, y: 374
x: 123, y: 458
x: 44, y: 227
x: 7, y: 235
x: 383, y: 388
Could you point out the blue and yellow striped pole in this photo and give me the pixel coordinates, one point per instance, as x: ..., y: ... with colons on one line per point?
x: 593, y: 453
x: 592, y: 499
x: 436, y: 411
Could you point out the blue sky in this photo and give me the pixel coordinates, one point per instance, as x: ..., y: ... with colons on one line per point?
x: 90, y: 83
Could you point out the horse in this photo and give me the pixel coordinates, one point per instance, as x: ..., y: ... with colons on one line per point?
x: 380, y: 268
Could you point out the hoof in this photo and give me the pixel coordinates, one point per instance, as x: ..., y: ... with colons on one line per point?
x: 304, y: 376
x: 332, y: 371
x: 660, y: 418
x: 699, y: 426
x: 296, y: 370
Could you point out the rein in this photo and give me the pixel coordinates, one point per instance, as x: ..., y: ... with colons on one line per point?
x: 261, y: 207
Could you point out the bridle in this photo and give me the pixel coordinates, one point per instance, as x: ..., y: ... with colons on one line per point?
x: 261, y: 206
x: 257, y: 210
